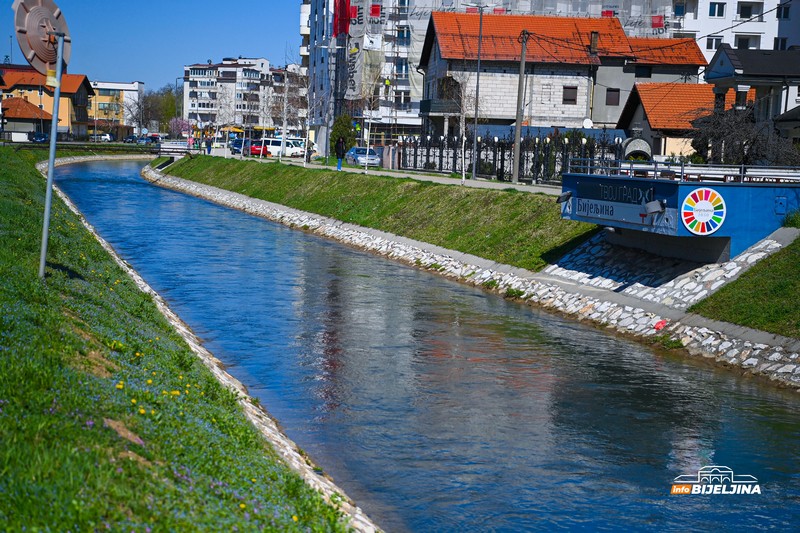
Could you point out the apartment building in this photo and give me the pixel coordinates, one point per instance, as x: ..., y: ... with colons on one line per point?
x: 116, y: 108
x: 750, y: 25
x: 232, y: 92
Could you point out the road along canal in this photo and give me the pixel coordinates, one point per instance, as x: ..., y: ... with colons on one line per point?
x: 437, y: 406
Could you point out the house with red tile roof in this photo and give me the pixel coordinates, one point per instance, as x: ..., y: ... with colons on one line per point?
x: 663, y: 114
x: 576, y: 68
x: 21, y: 116
x: 22, y: 81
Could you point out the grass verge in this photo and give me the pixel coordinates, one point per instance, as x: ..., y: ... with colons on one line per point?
x: 762, y: 298
x: 507, y: 226
x: 107, y: 419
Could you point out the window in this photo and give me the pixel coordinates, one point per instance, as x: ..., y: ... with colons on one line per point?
x: 680, y: 10
x: 745, y: 11
x: 570, y: 95
x: 746, y: 42
x: 643, y: 71
x: 401, y: 68
x: 782, y: 12
x: 402, y: 7
x: 403, y: 36
x: 716, y: 9
x: 713, y: 42
x: 612, y: 97
x: 780, y: 43
x: 402, y: 99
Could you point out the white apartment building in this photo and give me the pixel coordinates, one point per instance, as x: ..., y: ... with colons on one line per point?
x: 388, y: 35
x: 235, y: 92
x: 753, y: 25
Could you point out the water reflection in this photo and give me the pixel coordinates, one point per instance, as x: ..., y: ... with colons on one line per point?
x: 436, y: 406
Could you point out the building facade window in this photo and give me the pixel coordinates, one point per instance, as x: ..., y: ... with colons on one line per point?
x: 612, y: 97
x: 716, y: 9
x: 746, y: 42
x: 570, y: 95
x: 713, y: 42
x: 680, y: 9
x: 401, y: 68
x: 643, y: 71
x: 404, y: 36
x: 779, y: 43
x: 782, y: 13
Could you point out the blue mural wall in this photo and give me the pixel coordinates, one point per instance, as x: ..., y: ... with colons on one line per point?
x: 743, y: 212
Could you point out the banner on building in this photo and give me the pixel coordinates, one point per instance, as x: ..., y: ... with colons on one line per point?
x: 341, y: 17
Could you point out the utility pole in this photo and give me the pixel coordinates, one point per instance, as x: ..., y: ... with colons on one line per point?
x: 285, y: 106
x: 523, y: 39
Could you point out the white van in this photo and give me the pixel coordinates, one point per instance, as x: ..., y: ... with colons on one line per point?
x: 290, y: 149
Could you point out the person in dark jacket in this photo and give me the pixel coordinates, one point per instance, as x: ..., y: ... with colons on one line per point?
x: 340, y: 150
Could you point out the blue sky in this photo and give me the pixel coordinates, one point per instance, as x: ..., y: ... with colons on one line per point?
x: 151, y: 40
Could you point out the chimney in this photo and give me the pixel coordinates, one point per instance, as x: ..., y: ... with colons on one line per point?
x: 593, y: 43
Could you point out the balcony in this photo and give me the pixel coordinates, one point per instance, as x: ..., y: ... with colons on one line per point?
x: 438, y: 107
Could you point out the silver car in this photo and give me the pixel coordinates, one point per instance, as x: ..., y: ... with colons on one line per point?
x: 359, y: 156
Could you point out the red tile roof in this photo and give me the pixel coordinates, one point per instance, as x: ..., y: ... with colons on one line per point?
x: 21, y: 109
x: 655, y: 51
x: 70, y: 83
x: 673, y: 106
x: 553, y: 39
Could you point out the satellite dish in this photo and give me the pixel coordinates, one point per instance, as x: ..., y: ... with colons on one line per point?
x: 34, y: 21
x: 587, y: 123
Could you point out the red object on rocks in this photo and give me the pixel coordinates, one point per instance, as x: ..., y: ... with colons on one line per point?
x: 660, y: 325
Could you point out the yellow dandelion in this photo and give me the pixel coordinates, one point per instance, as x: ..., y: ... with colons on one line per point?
x: 163, y: 392
x: 149, y: 381
x: 133, y: 401
x: 180, y: 377
x: 294, y: 517
x: 253, y: 480
x: 120, y: 385
x: 154, y: 373
x: 152, y: 411
x: 242, y: 506
x: 188, y: 385
x: 142, y: 411
x: 176, y: 393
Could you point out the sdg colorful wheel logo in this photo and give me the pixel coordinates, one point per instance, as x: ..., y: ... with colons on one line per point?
x: 703, y: 211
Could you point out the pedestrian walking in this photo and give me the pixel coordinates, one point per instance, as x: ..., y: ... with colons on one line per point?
x: 340, y: 150
x: 208, y: 145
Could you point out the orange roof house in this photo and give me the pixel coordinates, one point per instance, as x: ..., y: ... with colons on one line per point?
x: 20, y: 115
x: 576, y: 68
x: 27, y: 84
x: 663, y: 113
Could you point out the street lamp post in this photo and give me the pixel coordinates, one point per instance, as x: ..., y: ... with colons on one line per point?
x: 176, y: 103
x: 480, y: 7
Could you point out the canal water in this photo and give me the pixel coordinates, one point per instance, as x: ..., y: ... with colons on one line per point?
x: 438, y: 407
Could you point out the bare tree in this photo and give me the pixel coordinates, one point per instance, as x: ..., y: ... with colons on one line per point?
x: 735, y: 137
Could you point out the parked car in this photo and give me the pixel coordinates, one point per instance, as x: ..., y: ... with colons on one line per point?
x: 237, y: 144
x: 260, y: 148
x: 130, y: 139
x: 148, y: 140
x: 39, y: 137
x: 101, y: 138
x: 360, y: 156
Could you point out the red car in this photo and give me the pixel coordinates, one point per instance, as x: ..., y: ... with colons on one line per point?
x: 259, y: 149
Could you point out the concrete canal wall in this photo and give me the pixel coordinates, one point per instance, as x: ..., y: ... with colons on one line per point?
x: 626, y: 291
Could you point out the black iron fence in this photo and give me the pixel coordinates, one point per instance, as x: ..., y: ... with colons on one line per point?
x: 542, y: 159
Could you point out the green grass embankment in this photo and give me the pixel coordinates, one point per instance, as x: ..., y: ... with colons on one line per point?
x: 511, y: 227
x: 107, y: 419
x: 508, y: 226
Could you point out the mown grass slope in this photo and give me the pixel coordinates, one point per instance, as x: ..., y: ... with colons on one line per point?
x: 107, y: 419
x: 508, y: 226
